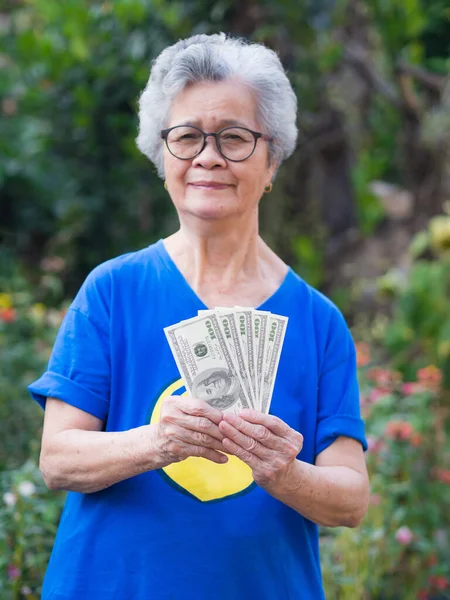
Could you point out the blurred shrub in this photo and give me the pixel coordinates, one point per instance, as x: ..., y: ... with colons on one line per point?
x: 27, y: 332
x: 71, y: 178
x: 29, y: 514
x: 419, y: 331
x: 402, y: 548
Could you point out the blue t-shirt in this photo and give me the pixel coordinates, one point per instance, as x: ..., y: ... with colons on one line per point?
x: 194, y: 530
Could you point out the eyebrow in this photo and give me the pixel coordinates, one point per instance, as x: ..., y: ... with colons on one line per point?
x: 222, y: 123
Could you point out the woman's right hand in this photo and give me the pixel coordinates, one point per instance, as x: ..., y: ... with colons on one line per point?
x: 188, y: 427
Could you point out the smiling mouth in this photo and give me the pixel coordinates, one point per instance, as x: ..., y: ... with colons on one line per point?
x: 204, y: 185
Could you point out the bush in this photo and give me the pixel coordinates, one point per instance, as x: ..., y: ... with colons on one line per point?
x: 27, y: 332
x: 402, y: 549
x: 419, y: 331
x: 29, y: 514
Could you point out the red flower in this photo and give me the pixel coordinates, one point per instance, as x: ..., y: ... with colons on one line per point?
x: 423, y: 595
x: 439, y: 582
x: 8, y: 315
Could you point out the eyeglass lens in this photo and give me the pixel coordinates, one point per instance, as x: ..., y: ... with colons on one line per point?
x: 235, y: 143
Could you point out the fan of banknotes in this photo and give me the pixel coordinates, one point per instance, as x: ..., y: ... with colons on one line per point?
x: 229, y: 356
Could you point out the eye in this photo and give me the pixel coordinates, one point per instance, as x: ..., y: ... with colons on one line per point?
x: 232, y: 137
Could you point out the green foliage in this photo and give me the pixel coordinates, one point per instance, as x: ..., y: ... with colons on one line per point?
x: 402, y: 548
x: 29, y: 514
x: 419, y: 331
x: 72, y: 178
x: 309, y: 259
x: 369, y: 208
x: 75, y: 191
x: 27, y: 332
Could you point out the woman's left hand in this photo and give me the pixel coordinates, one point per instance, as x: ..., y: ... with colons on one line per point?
x: 265, y: 443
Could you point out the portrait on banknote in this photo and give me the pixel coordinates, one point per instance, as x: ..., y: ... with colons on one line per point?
x: 219, y: 387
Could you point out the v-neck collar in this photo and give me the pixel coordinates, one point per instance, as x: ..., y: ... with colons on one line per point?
x: 170, y: 263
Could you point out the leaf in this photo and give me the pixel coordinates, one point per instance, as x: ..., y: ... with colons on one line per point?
x: 419, y: 244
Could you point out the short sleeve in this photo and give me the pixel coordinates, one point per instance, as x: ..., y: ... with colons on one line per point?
x: 339, y: 402
x: 79, y: 368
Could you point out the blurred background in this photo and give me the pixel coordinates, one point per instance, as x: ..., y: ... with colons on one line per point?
x: 361, y: 211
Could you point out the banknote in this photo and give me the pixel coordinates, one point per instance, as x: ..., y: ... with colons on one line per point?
x: 238, y: 350
x: 205, y: 362
x: 276, y: 330
x: 244, y: 322
x: 259, y: 340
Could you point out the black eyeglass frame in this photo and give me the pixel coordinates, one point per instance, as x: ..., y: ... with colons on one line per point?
x: 256, y: 135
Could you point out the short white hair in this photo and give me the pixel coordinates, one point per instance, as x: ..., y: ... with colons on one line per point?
x: 218, y: 58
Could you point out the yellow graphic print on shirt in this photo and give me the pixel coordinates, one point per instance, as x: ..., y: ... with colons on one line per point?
x: 200, y: 477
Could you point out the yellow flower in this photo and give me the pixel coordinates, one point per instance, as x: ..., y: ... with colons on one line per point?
x: 440, y: 233
x: 6, y: 301
x: 444, y: 349
x: 37, y: 312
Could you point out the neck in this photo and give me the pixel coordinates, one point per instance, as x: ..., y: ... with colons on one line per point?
x: 221, y: 253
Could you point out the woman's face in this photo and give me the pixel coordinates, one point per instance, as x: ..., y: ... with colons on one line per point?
x: 209, y: 186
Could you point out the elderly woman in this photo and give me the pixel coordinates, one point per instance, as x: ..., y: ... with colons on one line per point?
x: 169, y: 497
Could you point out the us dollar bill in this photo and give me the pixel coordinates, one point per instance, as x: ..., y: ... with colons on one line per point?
x: 228, y: 324
x: 276, y: 330
x: 244, y: 323
x: 261, y: 319
x: 205, y: 362
x: 259, y: 340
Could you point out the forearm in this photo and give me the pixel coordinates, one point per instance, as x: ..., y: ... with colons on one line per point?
x: 89, y: 461
x: 329, y: 496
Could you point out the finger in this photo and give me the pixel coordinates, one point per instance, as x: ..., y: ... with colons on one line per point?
x: 207, y: 453
x: 199, y: 408
x: 196, y: 438
x: 258, y: 432
x: 245, y: 442
x: 273, y: 423
x: 199, y: 424
x: 250, y: 459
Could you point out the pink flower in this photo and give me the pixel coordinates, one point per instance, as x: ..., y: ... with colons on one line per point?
x: 375, y: 499
x: 385, y: 379
x: 404, y: 536
x: 374, y: 445
x: 443, y: 475
x: 13, y: 572
x: 411, y: 388
x: 399, y: 430
x: 377, y: 394
x: 430, y: 377
x: 371, y: 443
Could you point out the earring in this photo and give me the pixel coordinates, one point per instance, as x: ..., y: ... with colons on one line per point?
x: 268, y: 188
x: 165, y: 185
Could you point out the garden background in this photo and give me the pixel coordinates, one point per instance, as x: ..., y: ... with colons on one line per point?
x: 361, y: 211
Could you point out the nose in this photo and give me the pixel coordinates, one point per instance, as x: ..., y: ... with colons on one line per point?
x: 210, y: 156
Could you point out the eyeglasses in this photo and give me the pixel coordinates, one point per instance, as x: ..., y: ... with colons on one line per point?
x: 233, y: 143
